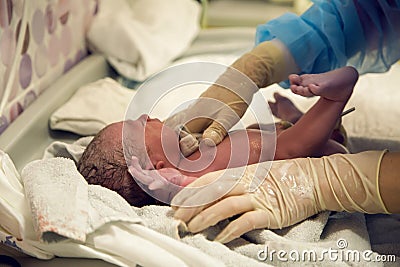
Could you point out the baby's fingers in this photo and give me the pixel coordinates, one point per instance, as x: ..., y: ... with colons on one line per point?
x: 157, y: 184
x: 140, y: 176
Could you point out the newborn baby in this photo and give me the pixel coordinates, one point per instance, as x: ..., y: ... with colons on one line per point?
x: 157, y: 146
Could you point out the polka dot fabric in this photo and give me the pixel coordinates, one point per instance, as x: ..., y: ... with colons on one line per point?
x: 39, y: 41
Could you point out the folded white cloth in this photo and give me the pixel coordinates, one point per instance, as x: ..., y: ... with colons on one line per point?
x: 72, y: 151
x: 140, y: 37
x: 11, y: 189
x: 92, y: 107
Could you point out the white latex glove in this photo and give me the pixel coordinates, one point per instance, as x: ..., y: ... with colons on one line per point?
x: 292, y: 191
x: 233, y: 91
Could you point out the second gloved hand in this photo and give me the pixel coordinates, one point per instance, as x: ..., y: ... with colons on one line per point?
x: 289, y: 192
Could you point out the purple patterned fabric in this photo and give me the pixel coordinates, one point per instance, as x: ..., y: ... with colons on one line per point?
x: 37, y: 49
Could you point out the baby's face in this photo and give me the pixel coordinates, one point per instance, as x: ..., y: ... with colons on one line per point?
x: 162, y: 142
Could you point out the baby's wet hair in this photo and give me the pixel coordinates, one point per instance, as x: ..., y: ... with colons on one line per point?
x: 103, y: 163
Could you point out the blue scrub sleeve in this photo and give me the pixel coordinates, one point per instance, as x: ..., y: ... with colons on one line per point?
x: 331, y: 34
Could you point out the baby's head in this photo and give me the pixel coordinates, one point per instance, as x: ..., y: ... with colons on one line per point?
x: 103, y: 161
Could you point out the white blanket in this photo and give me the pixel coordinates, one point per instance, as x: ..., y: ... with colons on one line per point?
x: 140, y: 37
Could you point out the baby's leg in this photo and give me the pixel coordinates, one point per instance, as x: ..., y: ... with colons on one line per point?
x: 311, y: 133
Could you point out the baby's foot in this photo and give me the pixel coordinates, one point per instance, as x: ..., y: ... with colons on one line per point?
x: 284, y: 109
x: 336, y: 85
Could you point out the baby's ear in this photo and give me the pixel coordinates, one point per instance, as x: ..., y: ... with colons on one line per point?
x: 159, y: 165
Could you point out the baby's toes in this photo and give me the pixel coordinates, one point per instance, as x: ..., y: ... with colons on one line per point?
x: 297, y: 89
x: 295, y: 79
x: 301, y: 90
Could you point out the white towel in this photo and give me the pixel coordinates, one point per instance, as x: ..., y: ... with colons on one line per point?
x: 58, y: 198
x: 92, y: 107
x: 140, y: 37
x: 315, y: 234
x: 61, y: 201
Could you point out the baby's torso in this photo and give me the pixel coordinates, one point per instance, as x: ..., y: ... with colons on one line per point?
x: 240, y: 148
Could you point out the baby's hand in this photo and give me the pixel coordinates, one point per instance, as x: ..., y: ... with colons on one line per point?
x: 158, y: 179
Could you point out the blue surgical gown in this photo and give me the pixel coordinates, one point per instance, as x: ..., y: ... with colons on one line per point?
x: 331, y: 34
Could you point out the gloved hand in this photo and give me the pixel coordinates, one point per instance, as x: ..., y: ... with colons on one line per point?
x: 267, y: 63
x: 292, y: 191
